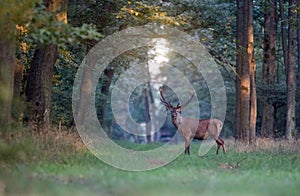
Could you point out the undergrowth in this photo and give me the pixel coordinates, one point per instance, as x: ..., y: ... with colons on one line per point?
x: 29, y: 147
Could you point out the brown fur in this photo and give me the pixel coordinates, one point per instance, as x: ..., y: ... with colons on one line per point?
x: 194, y: 128
x: 198, y: 129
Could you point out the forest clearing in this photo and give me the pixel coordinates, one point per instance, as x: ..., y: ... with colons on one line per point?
x: 108, y: 97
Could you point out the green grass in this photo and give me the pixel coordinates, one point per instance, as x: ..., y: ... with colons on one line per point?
x: 239, y: 172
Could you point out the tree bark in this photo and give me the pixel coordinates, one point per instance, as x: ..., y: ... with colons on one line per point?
x: 17, y: 109
x: 147, y: 109
x: 252, y: 73
x: 246, y: 89
x: 283, y: 35
x: 84, y: 96
x: 291, y: 87
x: 109, y: 73
x: 245, y: 83
x: 154, y: 123
x: 7, y: 65
x: 298, y: 41
x: 239, y: 63
x: 39, y: 87
x: 269, y: 61
x: 39, y: 84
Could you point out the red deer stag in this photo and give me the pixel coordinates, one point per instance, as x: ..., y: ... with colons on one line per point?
x: 194, y: 128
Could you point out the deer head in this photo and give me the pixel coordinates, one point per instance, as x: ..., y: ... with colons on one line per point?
x: 175, y: 111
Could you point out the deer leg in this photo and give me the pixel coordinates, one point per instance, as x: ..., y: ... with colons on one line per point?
x: 223, y: 145
x: 187, y: 146
x: 220, y: 141
x: 218, y: 148
x: 187, y: 150
x: 224, y: 149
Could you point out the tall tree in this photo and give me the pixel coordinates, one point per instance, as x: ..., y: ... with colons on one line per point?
x: 147, y: 108
x: 291, y: 69
x: 298, y: 38
x: 12, y: 12
x: 252, y: 73
x: 283, y: 33
x: 109, y: 73
x: 39, y: 84
x: 269, y: 61
x: 239, y: 63
x: 298, y: 41
x: 7, y: 64
x: 246, y: 90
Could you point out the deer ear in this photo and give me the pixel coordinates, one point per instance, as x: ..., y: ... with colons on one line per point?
x: 179, y: 108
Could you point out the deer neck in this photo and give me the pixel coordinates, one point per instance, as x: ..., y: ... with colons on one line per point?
x: 177, y: 121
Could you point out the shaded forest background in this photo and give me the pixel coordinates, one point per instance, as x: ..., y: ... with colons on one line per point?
x: 255, y: 43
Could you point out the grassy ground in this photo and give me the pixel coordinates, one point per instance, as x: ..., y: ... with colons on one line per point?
x: 60, y: 165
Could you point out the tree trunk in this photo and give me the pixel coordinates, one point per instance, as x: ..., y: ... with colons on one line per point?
x: 7, y: 64
x: 154, y: 123
x: 17, y: 109
x: 245, y: 83
x: 269, y: 61
x: 239, y: 63
x: 298, y: 77
x: 109, y: 73
x: 298, y: 41
x: 246, y: 89
x: 39, y: 84
x: 147, y: 109
x: 291, y: 87
x: 252, y: 73
x: 39, y: 87
x: 84, y: 95
x: 283, y: 35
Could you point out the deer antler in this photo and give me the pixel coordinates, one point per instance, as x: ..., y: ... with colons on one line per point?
x: 190, y: 99
x: 162, y: 98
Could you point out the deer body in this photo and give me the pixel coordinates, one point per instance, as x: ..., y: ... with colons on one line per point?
x: 190, y: 128
x: 199, y: 129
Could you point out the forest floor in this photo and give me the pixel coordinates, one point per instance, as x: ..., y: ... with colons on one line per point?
x: 59, y: 164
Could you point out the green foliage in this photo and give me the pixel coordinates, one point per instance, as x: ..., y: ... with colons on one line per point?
x: 62, y: 34
x: 273, y: 94
x: 16, y: 12
x: 143, y: 13
x: 37, y: 25
x: 100, y: 13
x: 64, y: 74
